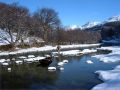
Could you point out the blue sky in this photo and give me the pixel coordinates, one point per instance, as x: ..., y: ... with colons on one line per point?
x: 75, y: 11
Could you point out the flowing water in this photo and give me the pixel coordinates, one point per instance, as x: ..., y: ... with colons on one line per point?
x: 77, y: 75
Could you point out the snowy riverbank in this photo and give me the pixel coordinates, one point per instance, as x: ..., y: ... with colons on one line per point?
x: 114, y: 56
x: 46, y: 48
x: 110, y: 77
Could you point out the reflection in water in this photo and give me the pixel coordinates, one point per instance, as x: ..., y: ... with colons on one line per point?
x: 76, y: 74
x: 25, y: 75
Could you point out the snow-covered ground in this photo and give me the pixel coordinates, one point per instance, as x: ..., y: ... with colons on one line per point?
x: 74, y: 52
x: 111, y: 78
x: 114, y: 56
x: 68, y: 53
x: 46, y: 48
x: 5, y: 37
x: 85, y: 51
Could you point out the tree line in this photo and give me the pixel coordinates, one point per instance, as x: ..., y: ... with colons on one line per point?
x: 19, y: 24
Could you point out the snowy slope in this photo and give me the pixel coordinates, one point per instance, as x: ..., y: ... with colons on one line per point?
x: 90, y: 24
x: 4, y: 36
x: 114, y: 19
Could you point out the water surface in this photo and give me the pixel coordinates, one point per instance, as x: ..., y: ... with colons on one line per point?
x: 77, y: 75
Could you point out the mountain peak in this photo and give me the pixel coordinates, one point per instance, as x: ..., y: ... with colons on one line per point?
x: 90, y: 24
x: 114, y: 18
x: 72, y: 27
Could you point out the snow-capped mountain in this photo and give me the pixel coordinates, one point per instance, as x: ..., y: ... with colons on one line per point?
x: 114, y: 18
x: 93, y: 24
x: 72, y: 27
x: 90, y: 24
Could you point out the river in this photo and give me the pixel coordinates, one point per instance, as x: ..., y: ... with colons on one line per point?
x: 77, y: 74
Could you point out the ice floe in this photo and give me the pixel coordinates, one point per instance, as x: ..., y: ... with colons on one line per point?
x: 89, y: 62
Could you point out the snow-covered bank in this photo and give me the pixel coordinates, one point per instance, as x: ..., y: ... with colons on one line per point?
x: 85, y: 51
x: 74, y: 52
x: 111, y: 78
x: 47, y: 48
x: 114, y: 56
x: 68, y: 53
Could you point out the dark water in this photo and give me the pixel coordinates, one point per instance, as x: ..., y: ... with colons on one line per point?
x: 77, y: 75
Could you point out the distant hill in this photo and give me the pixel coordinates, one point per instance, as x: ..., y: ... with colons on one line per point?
x: 109, y: 29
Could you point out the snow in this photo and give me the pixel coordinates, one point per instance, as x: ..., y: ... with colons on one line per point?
x: 78, y: 46
x: 65, y: 61
x: 45, y: 48
x: 114, y: 56
x: 47, y: 55
x: 89, y: 62
x: 8, y: 60
x: 29, y: 60
x: 19, y: 62
x: 31, y: 56
x: 9, y: 69
x: 90, y: 24
x: 74, y: 52
x: 51, y: 68
x: 22, y: 57
x: 85, y: 51
x: 61, y: 68
x: 5, y: 35
x: 68, y: 53
x: 5, y: 64
x: 114, y: 18
x: 34, y: 59
x: 111, y: 79
x: 2, y: 60
x: 13, y: 59
x: 60, y: 63
x: 39, y: 58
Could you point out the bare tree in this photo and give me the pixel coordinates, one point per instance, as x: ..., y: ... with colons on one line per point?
x: 13, y: 19
x: 48, y: 21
